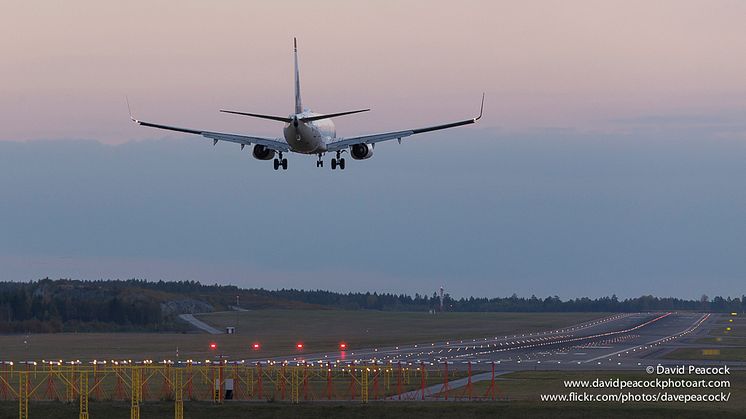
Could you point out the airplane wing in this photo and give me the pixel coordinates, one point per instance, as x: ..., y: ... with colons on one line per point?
x: 343, y: 143
x: 244, y: 140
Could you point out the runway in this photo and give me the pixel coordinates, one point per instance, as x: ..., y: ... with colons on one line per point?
x: 623, y: 341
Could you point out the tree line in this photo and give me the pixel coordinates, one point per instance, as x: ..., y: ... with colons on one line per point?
x: 422, y: 302
x: 114, y: 305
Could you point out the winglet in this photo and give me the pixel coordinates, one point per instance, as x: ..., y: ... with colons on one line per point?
x: 481, y: 108
x: 130, y: 110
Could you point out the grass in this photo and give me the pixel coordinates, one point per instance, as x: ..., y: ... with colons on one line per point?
x: 718, y: 336
x: 526, y: 386
x: 323, y: 330
x: 279, y: 330
x: 517, y: 393
x: 737, y: 326
x: 409, y: 410
x: 726, y: 354
x: 724, y: 340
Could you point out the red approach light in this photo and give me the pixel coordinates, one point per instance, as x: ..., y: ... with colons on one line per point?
x: 213, y: 346
x: 299, y: 346
x: 342, y: 346
x: 255, y: 346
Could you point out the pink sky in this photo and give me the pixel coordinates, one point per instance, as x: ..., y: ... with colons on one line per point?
x: 67, y: 66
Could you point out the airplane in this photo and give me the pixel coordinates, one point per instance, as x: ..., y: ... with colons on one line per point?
x: 307, y: 132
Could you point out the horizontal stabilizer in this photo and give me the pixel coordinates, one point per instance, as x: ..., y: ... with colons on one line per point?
x: 285, y: 119
x: 256, y: 115
x: 331, y: 115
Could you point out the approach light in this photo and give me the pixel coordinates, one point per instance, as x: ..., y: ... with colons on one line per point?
x: 299, y: 346
x: 213, y: 346
x: 255, y: 346
x: 342, y: 346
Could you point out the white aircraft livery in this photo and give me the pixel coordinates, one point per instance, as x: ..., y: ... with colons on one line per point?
x: 306, y: 132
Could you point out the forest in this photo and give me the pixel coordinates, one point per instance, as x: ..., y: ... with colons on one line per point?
x: 66, y: 305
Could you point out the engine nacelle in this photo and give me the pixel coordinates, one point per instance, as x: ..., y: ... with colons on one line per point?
x: 261, y: 152
x: 361, y: 151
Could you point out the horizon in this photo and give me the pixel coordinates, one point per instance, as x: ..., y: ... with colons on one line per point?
x: 427, y: 295
x: 556, y: 212
x: 608, y: 160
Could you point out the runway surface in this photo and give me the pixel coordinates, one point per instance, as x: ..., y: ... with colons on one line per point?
x: 624, y: 341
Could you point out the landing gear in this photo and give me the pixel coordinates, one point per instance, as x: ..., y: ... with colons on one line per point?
x: 338, y: 161
x: 281, y: 162
x: 319, y: 162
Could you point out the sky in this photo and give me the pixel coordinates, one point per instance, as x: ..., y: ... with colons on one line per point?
x: 610, y: 158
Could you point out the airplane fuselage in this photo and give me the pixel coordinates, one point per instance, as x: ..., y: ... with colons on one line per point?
x: 309, y: 137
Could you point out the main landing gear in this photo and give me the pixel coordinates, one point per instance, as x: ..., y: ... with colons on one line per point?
x: 319, y: 162
x: 338, y: 162
x: 281, y: 162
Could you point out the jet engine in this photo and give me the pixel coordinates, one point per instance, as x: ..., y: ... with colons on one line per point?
x: 261, y: 152
x: 361, y: 151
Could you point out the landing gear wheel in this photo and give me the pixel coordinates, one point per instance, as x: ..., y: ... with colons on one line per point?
x: 342, y: 163
x: 284, y: 164
x: 277, y: 164
x: 334, y: 164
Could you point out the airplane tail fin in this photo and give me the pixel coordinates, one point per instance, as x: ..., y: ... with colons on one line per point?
x: 298, y: 103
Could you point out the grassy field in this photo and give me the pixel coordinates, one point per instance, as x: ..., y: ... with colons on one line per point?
x: 410, y: 410
x: 726, y: 354
x: 725, y: 340
x: 279, y: 330
x: 718, y: 336
x: 322, y: 330
x: 526, y: 386
x: 737, y: 325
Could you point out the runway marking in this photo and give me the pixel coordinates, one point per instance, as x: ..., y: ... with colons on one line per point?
x: 688, y: 329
